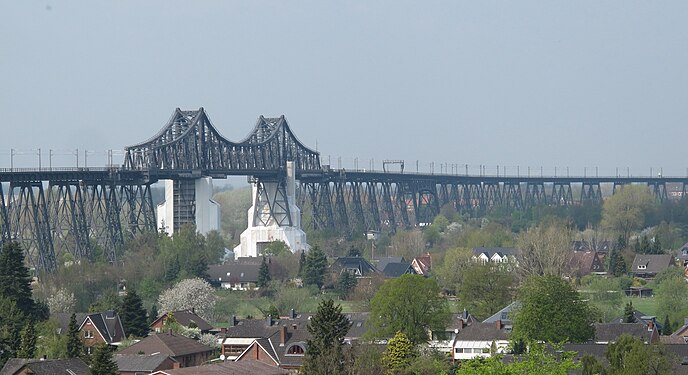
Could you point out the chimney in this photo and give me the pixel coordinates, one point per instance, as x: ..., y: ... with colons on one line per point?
x: 292, y: 314
x: 650, y: 325
x: 268, y: 321
x: 232, y: 321
x: 283, y: 335
x: 193, y: 310
x: 499, y: 324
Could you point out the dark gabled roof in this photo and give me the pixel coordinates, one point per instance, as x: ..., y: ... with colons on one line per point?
x: 108, y: 324
x: 74, y: 366
x: 185, y: 318
x: 397, y: 269
x: 358, y: 325
x: 138, y: 362
x: 483, y: 332
x: 230, y: 368
x: 609, y: 332
x: 360, y: 264
x: 382, y: 263
x: 459, y: 321
x: 14, y: 364
x: 170, y: 344
x: 639, y: 318
x: 654, y: 263
x: 234, y: 272
x: 62, y: 320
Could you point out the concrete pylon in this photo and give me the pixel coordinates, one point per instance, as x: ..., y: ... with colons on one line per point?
x: 273, y: 216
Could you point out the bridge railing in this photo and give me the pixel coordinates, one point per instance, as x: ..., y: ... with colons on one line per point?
x: 61, y: 169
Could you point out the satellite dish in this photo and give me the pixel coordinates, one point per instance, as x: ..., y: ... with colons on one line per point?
x: 222, y: 357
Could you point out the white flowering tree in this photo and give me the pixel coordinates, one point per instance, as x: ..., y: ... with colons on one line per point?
x: 187, y: 294
x: 62, y: 301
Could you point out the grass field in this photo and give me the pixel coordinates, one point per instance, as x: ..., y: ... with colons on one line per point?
x: 647, y: 306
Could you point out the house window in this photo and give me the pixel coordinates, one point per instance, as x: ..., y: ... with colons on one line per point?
x: 88, y: 334
x: 234, y: 350
x: 642, y: 267
x: 295, y: 350
x: 458, y: 350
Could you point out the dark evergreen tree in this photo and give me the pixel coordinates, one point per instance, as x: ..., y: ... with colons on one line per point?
x: 617, y: 264
x: 172, y: 269
x: 628, y: 316
x: 314, y: 269
x: 346, y: 282
x: 656, y: 246
x: 75, y: 346
x: 666, y: 328
x: 327, y: 328
x: 197, y: 265
x: 152, y: 314
x: 263, y: 274
x: 15, y: 282
x: 302, y: 263
x: 27, y: 348
x: 133, y: 315
x: 102, y: 362
x: 354, y: 252
x: 11, y: 322
x: 272, y: 311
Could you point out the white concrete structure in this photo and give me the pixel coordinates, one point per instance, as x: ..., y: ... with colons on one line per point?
x: 195, y: 204
x: 264, y: 226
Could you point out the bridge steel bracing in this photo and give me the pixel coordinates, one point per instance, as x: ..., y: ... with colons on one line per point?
x: 394, y: 200
x: 86, y: 213
x: 83, y: 210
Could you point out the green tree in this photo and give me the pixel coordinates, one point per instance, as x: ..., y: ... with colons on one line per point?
x: 625, y: 211
x: 133, y: 315
x: 604, y: 294
x: 15, y: 282
x: 411, y: 304
x: 450, y: 273
x: 28, y: 341
x: 315, y: 267
x: 399, y: 353
x: 666, y: 327
x: 263, y: 274
x: 545, y: 250
x: 552, y: 311
x: 275, y: 248
x: 327, y: 328
x: 354, y: 252
x: 630, y: 356
x: 302, y: 263
x: 152, y: 314
x: 672, y: 297
x: 629, y: 313
x: 617, y: 263
x: 102, y: 362
x: 591, y: 365
x: 11, y: 323
x: 486, y: 288
x: 539, y: 361
x: 75, y: 346
x: 346, y: 283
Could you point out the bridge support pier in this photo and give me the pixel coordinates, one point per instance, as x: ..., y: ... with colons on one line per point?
x: 189, y: 201
x: 274, y: 216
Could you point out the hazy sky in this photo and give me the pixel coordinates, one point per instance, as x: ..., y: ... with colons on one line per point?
x: 529, y: 83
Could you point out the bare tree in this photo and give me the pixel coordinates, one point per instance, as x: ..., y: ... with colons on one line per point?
x: 545, y: 250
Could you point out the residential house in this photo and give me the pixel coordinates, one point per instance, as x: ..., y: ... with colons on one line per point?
x: 391, y: 267
x: 384, y: 261
x: 422, y: 264
x: 603, y: 246
x: 137, y: 364
x: 682, y: 332
x: 610, y: 332
x: 279, y: 342
x: 443, y: 341
x: 584, y: 263
x: 185, y: 318
x: 21, y: 366
x: 682, y: 255
x: 496, y: 255
x: 227, y: 368
x: 187, y: 352
x: 505, y: 314
x: 357, y: 266
x: 94, y: 328
x: 647, y: 266
x: 235, y: 275
x: 639, y: 317
x: 481, y: 340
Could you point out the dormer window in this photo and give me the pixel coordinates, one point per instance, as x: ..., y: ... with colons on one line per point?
x: 295, y: 349
x: 642, y: 266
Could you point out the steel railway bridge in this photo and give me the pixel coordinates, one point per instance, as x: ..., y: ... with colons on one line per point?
x: 84, y: 210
